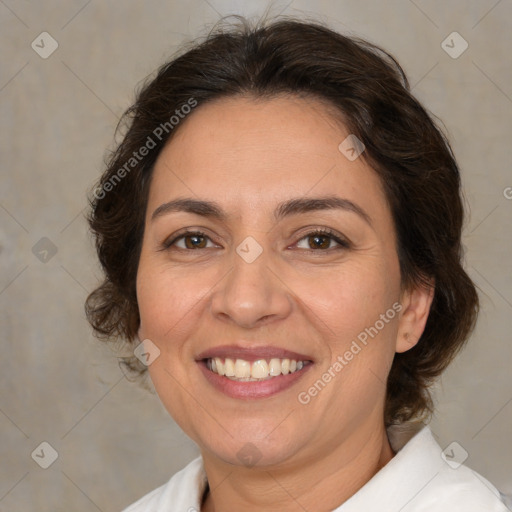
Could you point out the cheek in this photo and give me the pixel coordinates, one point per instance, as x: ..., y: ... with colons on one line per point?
x: 166, y: 299
x: 168, y: 304
x: 349, y: 299
x: 353, y: 308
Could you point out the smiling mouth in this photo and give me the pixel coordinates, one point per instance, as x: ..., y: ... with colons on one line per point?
x: 241, y: 370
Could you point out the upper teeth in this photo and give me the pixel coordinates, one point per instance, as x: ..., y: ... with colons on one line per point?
x: 260, y: 369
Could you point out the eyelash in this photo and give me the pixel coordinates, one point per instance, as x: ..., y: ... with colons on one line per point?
x: 342, y: 243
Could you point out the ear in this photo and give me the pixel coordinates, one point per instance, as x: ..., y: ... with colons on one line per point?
x: 416, y: 304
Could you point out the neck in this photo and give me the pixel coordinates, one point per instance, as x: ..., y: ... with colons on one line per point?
x: 321, y: 482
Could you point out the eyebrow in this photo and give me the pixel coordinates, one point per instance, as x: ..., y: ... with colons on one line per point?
x: 286, y: 209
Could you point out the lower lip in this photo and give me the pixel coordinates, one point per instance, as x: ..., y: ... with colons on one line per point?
x: 253, y: 389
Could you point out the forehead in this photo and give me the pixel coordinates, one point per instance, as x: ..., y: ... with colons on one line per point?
x: 252, y: 153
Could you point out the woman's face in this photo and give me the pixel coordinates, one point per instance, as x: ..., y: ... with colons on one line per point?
x: 296, y: 261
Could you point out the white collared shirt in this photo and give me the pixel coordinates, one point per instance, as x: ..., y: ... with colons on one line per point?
x: 416, y: 479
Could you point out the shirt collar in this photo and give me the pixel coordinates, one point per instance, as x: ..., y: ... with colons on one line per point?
x: 416, y: 463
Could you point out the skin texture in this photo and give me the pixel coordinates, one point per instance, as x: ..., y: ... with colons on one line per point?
x: 249, y: 155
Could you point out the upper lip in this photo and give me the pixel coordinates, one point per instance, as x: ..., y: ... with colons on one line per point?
x: 251, y: 353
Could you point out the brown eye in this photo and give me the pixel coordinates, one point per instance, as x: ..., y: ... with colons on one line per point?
x: 319, y: 241
x: 189, y: 240
x: 195, y: 241
x: 322, y: 240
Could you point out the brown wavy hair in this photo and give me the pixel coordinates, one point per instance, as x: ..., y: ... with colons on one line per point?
x: 369, y: 91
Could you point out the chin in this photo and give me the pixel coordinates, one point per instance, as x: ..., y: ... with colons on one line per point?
x: 251, y: 446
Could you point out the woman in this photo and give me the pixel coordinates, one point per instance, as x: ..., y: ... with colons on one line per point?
x: 281, y: 229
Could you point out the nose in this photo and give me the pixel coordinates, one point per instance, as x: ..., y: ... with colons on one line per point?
x: 251, y: 294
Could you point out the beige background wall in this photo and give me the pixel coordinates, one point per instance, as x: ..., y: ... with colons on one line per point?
x: 114, y: 441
